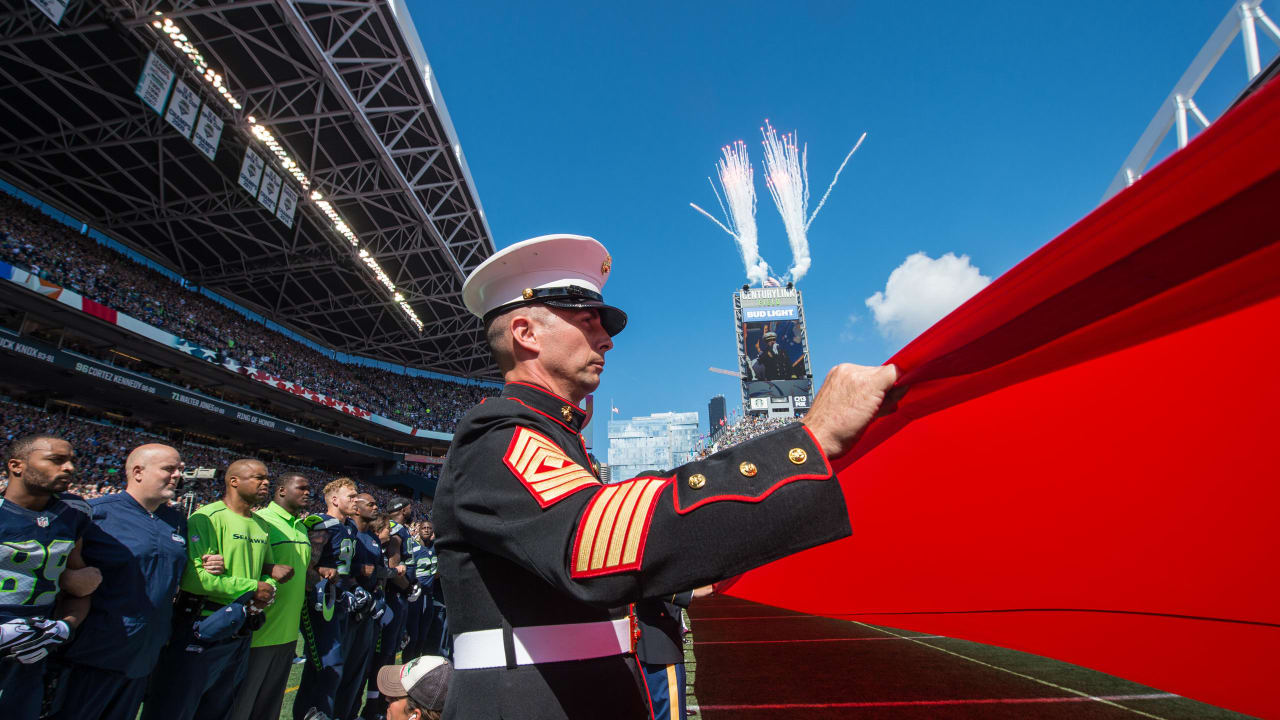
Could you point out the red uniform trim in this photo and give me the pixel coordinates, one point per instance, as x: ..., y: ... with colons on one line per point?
x: 675, y: 497
x: 545, y: 415
x: 545, y: 391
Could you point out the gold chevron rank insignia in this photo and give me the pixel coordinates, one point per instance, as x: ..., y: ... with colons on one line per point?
x: 546, y: 471
x: 614, y: 527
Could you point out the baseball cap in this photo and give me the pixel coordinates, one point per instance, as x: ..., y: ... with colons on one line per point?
x: 423, y: 679
x: 397, y: 503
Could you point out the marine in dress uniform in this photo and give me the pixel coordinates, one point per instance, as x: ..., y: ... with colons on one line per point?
x: 139, y: 542
x: 537, y: 556
x: 660, y: 651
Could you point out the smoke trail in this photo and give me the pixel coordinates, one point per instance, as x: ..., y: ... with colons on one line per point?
x: 834, y: 180
x: 787, y: 177
x: 737, y: 180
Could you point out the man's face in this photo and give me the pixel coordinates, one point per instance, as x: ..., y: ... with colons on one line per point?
x: 255, y: 484
x: 572, y: 344
x: 365, y: 506
x: 295, y: 494
x: 428, y: 532
x: 160, y: 474
x: 48, y: 468
x: 342, y: 501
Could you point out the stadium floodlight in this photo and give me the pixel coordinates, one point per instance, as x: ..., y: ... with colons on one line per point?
x: 168, y: 28
x: 267, y: 138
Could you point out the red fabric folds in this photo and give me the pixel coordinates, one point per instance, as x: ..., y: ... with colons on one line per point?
x: 1081, y: 463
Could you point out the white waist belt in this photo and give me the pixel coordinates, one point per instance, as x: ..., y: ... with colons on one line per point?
x: 542, y: 644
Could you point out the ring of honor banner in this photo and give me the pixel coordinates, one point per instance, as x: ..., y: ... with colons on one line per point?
x: 288, y: 203
x: 1080, y: 461
x: 208, y: 132
x: 155, y: 82
x: 270, y: 191
x: 183, y: 107
x: 251, y: 171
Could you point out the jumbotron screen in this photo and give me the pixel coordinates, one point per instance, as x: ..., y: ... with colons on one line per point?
x: 773, y: 353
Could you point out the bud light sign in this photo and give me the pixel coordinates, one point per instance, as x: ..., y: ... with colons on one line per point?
x: 788, y: 312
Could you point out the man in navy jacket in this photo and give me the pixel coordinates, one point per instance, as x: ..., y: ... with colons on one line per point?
x: 139, y: 543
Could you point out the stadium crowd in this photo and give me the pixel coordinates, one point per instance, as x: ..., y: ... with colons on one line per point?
x: 741, y: 431
x: 29, y: 239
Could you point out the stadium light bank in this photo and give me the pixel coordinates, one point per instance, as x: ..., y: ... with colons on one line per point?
x: 168, y: 28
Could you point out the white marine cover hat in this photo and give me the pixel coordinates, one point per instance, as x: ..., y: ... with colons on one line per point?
x: 567, y: 271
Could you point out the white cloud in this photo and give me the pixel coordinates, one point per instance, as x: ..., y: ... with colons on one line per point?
x: 921, y: 291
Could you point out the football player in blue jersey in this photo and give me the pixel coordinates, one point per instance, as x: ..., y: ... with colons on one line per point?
x: 398, y: 587
x: 413, y: 611
x: 324, y: 615
x: 369, y: 569
x: 41, y: 599
x: 435, y: 632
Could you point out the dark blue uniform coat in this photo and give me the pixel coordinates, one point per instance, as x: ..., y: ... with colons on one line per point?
x: 141, y: 556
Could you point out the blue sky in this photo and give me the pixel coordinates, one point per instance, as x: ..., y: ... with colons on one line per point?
x: 992, y: 127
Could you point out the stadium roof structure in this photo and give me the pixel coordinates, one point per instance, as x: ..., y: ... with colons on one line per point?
x: 340, y: 101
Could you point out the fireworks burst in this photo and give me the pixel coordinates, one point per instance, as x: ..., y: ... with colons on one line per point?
x: 787, y: 177
x: 786, y: 166
x: 737, y: 181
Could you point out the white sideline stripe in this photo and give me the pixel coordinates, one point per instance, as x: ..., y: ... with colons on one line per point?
x: 1055, y: 686
x: 807, y: 640
x: 930, y: 703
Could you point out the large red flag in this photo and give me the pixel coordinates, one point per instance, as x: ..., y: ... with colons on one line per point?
x: 1084, y: 463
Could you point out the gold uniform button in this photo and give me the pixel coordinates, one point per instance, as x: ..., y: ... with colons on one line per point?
x: 697, y: 480
x: 797, y: 456
x: 528, y: 293
x: 748, y: 469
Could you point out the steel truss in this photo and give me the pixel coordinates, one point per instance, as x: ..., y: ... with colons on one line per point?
x: 1244, y: 18
x: 345, y: 88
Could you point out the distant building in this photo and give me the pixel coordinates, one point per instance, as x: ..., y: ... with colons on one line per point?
x: 660, y: 441
x: 716, y: 415
x: 606, y: 473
